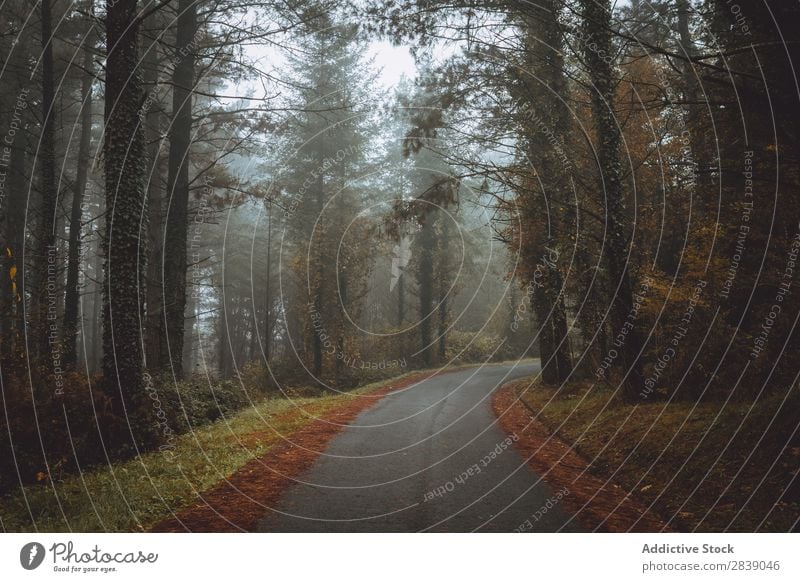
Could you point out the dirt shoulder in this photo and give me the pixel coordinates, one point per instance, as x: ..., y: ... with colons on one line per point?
x: 598, y: 504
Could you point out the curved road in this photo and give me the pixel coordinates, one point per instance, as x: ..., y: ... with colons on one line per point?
x: 430, y: 457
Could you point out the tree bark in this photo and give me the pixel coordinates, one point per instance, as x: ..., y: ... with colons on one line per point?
x: 45, y: 296
x: 401, y: 301
x: 72, y: 297
x: 224, y: 346
x: 268, y: 291
x: 546, y: 121
x: 425, y: 281
x: 151, y: 61
x: 175, y: 260
x: 190, y: 331
x: 12, y: 217
x: 597, y: 32
x: 443, y: 277
x: 318, y: 282
x: 95, y: 356
x: 19, y: 182
x: 123, y: 247
x: 697, y: 114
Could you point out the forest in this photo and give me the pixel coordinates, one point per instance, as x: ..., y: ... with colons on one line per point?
x: 206, y: 205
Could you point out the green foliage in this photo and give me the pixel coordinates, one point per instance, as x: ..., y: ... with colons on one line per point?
x: 198, y: 400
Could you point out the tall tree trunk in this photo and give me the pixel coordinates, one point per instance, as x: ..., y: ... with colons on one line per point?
x: 126, y: 219
x: 318, y: 281
x: 151, y: 62
x: 19, y: 185
x: 316, y: 340
x: 443, y: 277
x: 401, y: 301
x: 597, y: 32
x: 697, y: 113
x: 95, y: 356
x: 7, y: 286
x: 340, y: 338
x: 46, y: 292
x: 543, y: 86
x: 12, y: 238
x: 551, y: 316
x: 268, y: 291
x: 425, y: 281
x: 224, y: 349
x: 190, y: 331
x: 175, y: 259
x: 590, y: 317
x: 72, y: 297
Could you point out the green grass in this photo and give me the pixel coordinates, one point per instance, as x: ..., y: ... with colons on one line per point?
x: 134, y: 495
x: 713, y: 466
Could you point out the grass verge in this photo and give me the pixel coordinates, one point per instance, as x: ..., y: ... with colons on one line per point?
x: 134, y: 495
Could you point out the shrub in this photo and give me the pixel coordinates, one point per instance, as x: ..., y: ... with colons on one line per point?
x: 199, y: 400
x: 52, y: 426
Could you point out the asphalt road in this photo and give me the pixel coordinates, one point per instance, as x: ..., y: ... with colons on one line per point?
x: 428, y: 458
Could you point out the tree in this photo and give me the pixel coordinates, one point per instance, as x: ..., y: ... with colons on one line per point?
x: 72, y: 295
x: 175, y: 262
x: 420, y: 224
x: 45, y: 260
x: 153, y: 30
x: 16, y: 98
x: 425, y: 286
x: 597, y: 45
x: 545, y: 226
x: 327, y: 140
x: 126, y: 218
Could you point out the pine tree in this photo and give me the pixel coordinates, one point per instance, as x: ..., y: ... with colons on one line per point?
x: 328, y: 137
